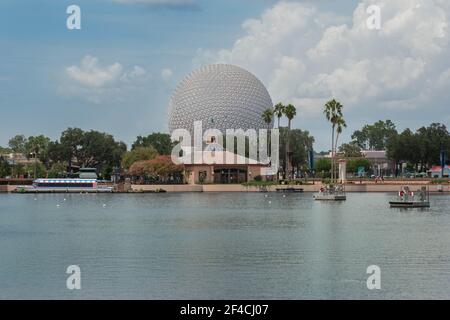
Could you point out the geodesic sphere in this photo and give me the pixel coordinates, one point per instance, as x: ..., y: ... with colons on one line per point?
x: 221, y: 97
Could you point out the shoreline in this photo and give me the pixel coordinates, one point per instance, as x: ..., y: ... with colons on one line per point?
x: 307, y: 188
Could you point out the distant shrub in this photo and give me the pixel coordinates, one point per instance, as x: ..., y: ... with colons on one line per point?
x: 440, y: 181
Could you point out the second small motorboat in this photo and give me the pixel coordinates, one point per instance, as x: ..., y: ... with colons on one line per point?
x: 408, y: 199
x: 331, y: 193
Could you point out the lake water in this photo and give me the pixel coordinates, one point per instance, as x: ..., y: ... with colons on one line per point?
x: 222, y: 246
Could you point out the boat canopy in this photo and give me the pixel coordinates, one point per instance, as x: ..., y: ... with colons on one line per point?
x: 74, y: 181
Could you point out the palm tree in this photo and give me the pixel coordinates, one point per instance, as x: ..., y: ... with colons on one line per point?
x: 279, y: 111
x: 340, y: 125
x: 267, y: 116
x: 290, y: 112
x: 333, y: 113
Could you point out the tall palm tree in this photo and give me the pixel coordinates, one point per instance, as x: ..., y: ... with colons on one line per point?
x: 340, y: 125
x: 290, y: 112
x: 267, y: 116
x: 278, y: 112
x: 333, y: 113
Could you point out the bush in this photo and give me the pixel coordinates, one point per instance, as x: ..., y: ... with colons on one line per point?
x: 440, y: 181
x: 258, y: 178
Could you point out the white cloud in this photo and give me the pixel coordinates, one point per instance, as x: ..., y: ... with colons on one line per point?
x: 166, y: 74
x: 306, y: 56
x: 95, y: 82
x: 91, y: 74
x: 136, y: 73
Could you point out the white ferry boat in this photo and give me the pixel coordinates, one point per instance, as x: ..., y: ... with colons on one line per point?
x: 64, y: 186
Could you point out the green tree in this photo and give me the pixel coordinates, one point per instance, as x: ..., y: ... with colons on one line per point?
x: 322, y: 165
x: 267, y: 117
x: 5, y: 150
x: 36, y: 147
x: 301, y: 142
x: 375, y: 136
x: 17, y: 143
x: 100, y: 150
x: 333, y: 113
x: 57, y: 152
x: 420, y: 149
x: 279, y: 112
x: 290, y: 112
x: 402, y: 147
x: 36, y: 170
x: 160, y: 141
x: 92, y: 149
x: 138, y: 154
x: 58, y: 170
x: 5, y: 168
x: 354, y: 164
x: 350, y: 150
x: 340, y: 125
x: 71, y: 145
x: 431, y: 140
x: 19, y: 170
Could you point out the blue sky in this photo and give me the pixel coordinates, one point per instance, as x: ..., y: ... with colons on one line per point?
x: 36, y: 48
x: 116, y: 74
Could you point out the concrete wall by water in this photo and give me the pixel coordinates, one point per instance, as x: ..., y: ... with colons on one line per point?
x: 240, y: 188
x: 307, y: 188
x: 7, y: 188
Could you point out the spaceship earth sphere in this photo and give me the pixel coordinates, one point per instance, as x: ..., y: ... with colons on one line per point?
x: 222, y: 97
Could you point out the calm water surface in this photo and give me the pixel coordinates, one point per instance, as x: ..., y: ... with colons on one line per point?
x: 222, y: 246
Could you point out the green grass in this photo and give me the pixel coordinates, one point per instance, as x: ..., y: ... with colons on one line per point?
x: 440, y: 181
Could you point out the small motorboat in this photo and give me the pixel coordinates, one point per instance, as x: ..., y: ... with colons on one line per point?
x: 331, y: 193
x: 408, y: 199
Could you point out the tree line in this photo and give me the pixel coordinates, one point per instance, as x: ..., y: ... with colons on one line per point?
x: 89, y: 149
x: 94, y: 149
x: 419, y: 149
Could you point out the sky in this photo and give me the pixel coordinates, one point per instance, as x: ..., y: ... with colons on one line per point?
x: 117, y: 73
